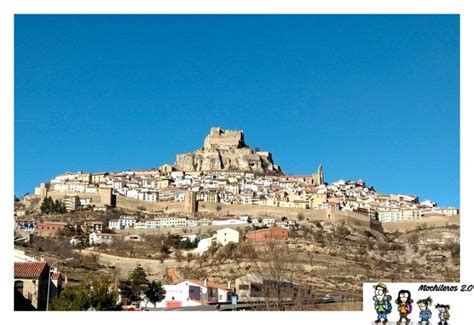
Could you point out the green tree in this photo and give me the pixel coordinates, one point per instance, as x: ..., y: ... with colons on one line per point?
x: 58, y: 207
x: 49, y: 206
x: 173, y: 241
x: 155, y: 292
x: 135, y: 285
x: 89, y: 293
x: 188, y: 244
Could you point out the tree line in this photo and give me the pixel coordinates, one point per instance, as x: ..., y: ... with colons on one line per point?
x: 97, y: 294
x: 49, y: 206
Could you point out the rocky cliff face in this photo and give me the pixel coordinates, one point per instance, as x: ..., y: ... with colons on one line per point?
x: 226, y: 150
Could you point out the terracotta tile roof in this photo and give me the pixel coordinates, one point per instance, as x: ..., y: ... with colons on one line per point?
x: 56, y: 276
x: 210, y: 284
x: 29, y: 269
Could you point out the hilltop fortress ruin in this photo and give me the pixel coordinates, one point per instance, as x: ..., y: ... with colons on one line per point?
x: 226, y: 150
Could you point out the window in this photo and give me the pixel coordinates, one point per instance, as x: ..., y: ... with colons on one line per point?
x: 19, y: 286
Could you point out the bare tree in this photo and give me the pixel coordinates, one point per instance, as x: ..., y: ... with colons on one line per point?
x: 275, y: 277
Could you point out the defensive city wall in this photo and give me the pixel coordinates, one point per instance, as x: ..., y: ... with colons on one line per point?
x: 252, y: 210
x: 158, y: 207
x: 224, y: 209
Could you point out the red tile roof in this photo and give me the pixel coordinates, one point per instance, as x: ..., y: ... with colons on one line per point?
x: 29, y: 269
x: 56, y: 276
x: 210, y: 284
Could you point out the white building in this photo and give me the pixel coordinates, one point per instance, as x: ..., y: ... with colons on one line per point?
x: 140, y: 225
x: 133, y: 193
x: 114, y: 224
x: 27, y: 226
x: 394, y: 215
x: 204, y: 245
x: 152, y: 224
x: 191, y: 293
x: 85, y: 202
x: 127, y: 221
x: 124, y: 222
x: 177, y: 296
x: 268, y: 222
x: 97, y: 238
x: 210, y: 291
x: 191, y: 222
x: 226, y: 236
x: 447, y: 211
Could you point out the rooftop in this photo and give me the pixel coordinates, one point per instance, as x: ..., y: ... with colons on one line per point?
x: 210, y: 284
x: 29, y: 270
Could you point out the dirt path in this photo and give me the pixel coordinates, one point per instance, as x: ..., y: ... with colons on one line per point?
x: 155, y: 269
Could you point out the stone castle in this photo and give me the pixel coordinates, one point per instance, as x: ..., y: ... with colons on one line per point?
x: 226, y: 150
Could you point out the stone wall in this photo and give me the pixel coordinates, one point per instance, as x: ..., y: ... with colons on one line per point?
x: 166, y: 207
x: 262, y: 210
x: 430, y: 222
x: 95, y: 197
x: 252, y: 210
x: 219, y: 138
x: 36, y: 289
x: 181, y: 230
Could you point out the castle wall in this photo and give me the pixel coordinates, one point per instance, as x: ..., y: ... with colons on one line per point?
x: 95, y: 197
x: 262, y: 210
x: 166, y: 207
x: 428, y: 221
x: 225, y: 140
x: 104, y: 197
x: 252, y: 210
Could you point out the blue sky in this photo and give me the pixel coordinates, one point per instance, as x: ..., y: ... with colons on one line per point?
x: 371, y: 97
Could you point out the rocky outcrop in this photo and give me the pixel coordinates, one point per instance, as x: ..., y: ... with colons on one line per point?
x: 226, y: 150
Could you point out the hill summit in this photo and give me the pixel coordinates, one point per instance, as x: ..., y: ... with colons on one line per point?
x: 227, y: 150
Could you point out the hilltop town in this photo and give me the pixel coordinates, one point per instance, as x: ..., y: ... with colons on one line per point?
x: 227, y: 172
x: 219, y: 221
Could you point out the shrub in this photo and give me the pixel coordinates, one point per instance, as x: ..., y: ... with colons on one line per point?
x: 342, y: 231
x: 455, y: 250
x: 368, y: 234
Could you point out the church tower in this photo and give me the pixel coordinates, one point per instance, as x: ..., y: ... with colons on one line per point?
x: 319, y: 176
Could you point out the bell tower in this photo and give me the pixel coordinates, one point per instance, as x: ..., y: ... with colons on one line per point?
x: 319, y: 176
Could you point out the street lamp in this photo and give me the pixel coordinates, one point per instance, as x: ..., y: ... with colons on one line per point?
x: 49, y: 278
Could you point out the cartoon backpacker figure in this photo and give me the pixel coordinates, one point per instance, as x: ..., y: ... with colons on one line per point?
x: 382, y: 303
x: 443, y: 314
x: 425, y: 313
x: 404, y: 302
